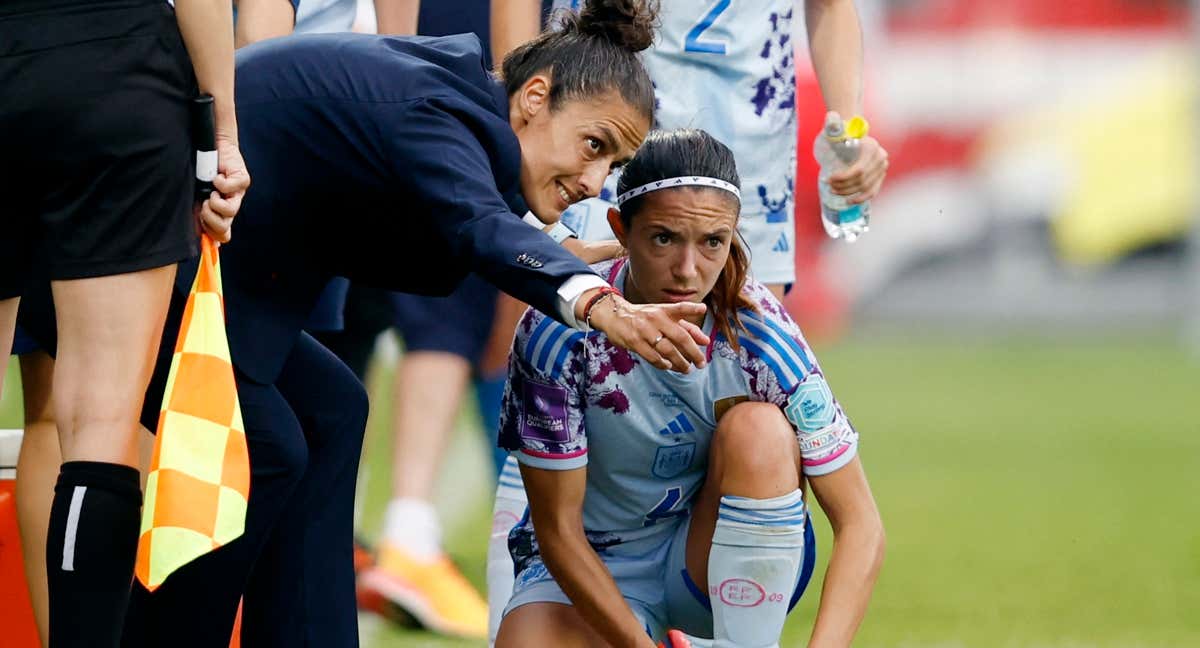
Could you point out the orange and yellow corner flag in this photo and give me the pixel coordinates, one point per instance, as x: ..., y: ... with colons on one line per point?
x: 199, y: 480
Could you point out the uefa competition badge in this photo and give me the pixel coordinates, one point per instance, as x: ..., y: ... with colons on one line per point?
x: 810, y: 407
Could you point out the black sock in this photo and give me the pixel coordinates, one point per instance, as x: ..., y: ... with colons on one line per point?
x: 90, y: 552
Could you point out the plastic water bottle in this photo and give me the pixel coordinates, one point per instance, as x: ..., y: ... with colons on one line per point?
x: 836, y: 148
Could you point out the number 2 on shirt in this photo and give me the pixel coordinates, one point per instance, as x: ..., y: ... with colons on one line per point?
x: 693, y: 43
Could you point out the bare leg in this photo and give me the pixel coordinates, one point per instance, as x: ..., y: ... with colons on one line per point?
x: 747, y: 532
x: 427, y: 393
x: 109, y: 331
x: 8, y: 324
x: 108, y: 334
x: 37, y: 468
x: 412, y: 571
x: 754, y: 453
x: 547, y: 624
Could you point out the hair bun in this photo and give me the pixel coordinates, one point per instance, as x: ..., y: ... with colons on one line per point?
x: 627, y: 23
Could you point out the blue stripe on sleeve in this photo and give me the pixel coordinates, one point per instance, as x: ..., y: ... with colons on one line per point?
x: 781, y: 348
x: 790, y: 341
x: 784, y: 381
x: 561, y: 358
x: 537, y: 334
x: 554, y: 339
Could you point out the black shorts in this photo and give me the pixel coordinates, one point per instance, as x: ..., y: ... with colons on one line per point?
x: 97, y: 167
x: 459, y: 323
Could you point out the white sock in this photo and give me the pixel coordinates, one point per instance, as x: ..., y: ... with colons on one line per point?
x: 757, y: 549
x: 413, y: 525
x: 508, y: 510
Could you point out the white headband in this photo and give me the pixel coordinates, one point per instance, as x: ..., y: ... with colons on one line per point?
x: 685, y: 181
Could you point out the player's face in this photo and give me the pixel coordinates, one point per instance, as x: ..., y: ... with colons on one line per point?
x: 678, y: 243
x: 566, y: 153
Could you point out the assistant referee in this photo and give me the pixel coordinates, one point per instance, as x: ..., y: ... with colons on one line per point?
x: 98, y: 172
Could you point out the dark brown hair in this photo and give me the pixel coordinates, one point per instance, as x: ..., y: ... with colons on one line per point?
x: 693, y: 152
x: 591, y: 53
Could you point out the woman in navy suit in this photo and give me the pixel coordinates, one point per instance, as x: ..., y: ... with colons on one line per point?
x: 399, y: 163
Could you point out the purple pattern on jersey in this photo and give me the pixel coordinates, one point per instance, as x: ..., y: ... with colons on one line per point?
x: 606, y: 359
x: 759, y: 295
x: 614, y: 400
x: 526, y: 554
x: 778, y: 91
x: 527, y: 324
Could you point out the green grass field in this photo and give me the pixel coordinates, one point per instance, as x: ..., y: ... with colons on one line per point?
x: 1035, y: 493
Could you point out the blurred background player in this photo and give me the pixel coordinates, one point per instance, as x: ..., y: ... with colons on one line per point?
x: 660, y: 500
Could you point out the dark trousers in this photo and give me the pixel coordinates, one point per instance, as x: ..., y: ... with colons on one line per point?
x: 294, y: 562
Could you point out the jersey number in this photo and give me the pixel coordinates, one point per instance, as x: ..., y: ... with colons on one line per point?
x: 665, y: 509
x: 693, y: 43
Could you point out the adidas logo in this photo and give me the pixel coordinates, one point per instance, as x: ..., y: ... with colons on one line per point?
x: 782, y: 244
x: 678, y: 425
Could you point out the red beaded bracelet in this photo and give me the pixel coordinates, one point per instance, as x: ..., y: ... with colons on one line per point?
x: 601, y: 294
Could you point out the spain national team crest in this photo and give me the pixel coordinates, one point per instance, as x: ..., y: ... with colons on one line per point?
x: 810, y: 407
x: 672, y: 461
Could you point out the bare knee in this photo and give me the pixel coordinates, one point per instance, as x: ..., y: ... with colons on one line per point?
x: 755, y: 449
x: 553, y: 624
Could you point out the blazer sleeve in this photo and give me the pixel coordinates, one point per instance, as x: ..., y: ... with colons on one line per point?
x: 443, y: 165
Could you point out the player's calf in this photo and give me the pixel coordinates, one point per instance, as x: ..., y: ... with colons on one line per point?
x: 758, y: 539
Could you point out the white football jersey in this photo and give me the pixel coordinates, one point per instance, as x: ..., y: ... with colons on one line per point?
x: 574, y: 399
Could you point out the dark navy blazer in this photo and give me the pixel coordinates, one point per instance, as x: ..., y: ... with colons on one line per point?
x: 387, y: 160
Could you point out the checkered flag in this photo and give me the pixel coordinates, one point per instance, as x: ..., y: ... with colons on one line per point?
x: 199, y: 479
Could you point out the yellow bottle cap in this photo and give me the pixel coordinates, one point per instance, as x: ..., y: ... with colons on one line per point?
x: 857, y: 127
